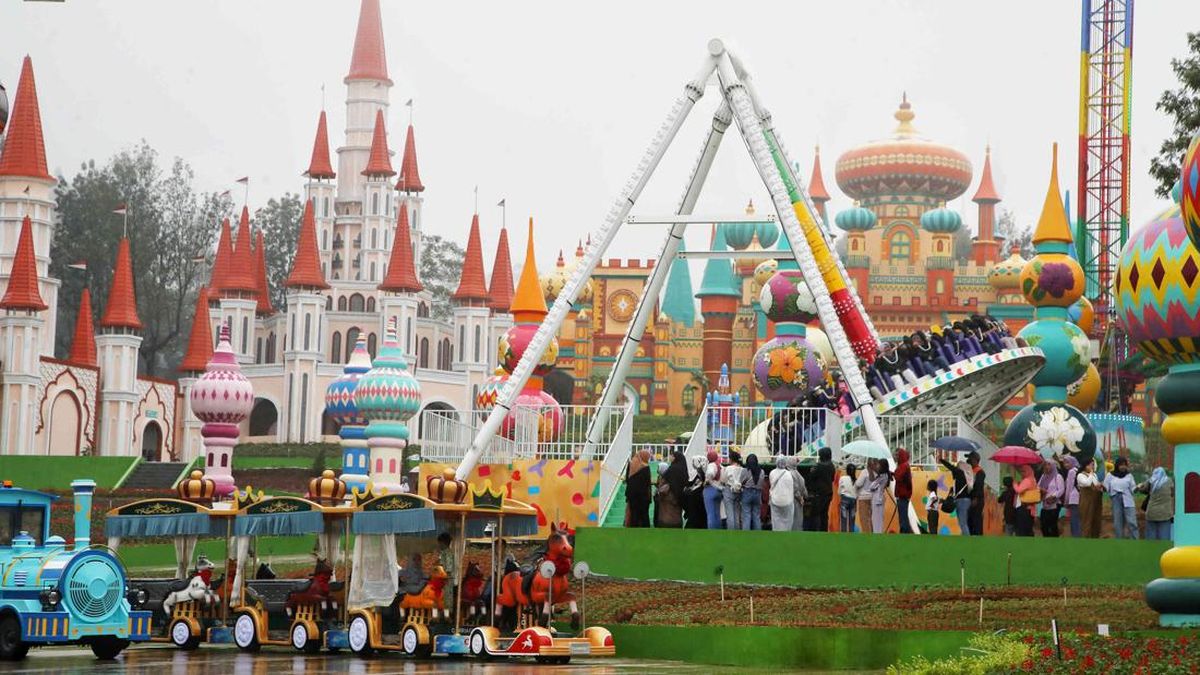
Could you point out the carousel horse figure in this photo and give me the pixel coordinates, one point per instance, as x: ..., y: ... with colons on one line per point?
x: 542, y: 591
x: 265, y: 571
x: 511, y: 596
x: 224, y: 586
x: 430, y: 597
x: 194, y: 589
x: 315, y: 591
x: 473, y: 604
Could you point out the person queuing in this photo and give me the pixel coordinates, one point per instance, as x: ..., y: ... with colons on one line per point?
x: 1027, y: 499
x: 1159, y: 504
x: 672, y: 480
x: 799, y: 493
x: 1051, y: 485
x: 879, y: 486
x: 783, y: 496
x: 694, y: 515
x: 731, y: 491
x: 714, y: 487
x: 1119, y: 484
x: 1089, y: 498
x: 961, y: 494
x: 1071, y: 495
x: 862, y: 485
x: 978, y: 486
x: 847, y: 499
x: 751, y: 501
x: 1008, y: 501
x: 933, y: 506
x: 820, y: 490
x: 904, y: 490
x: 638, y: 490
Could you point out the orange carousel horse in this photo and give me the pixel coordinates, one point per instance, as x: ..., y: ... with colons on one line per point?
x: 520, y: 588
x: 431, y: 596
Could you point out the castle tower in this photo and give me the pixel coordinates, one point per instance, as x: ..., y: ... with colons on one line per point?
x: 264, y: 308
x: 117, y: 348
x: 387, y: 396
x: 398, y: 300
x: 370, y: 254
x: 410, y: 187
x: 500, y: 290
x: 856, y: 222
x: 367, y: 90
x: 222, y: 398
x: 816, y: 187
x: 319, y: 190
x: 720, y: 293
x: 304, y: 350
x: 239, y: 291
x: 986, y: 249
x: 21, y: 326
x: 942, y: 223
x: 471, y: 311
x: 27, y: 191
x: 341, y: 406
x: 83, y: 344
x: 195, y: 360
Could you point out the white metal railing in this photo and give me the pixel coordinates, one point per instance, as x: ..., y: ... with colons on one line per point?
x: 446, y: 435
x: 748, y: 430
x: 914, y: 433
x: 612, y: 466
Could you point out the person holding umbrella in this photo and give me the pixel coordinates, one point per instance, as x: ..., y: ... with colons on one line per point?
x: 1028, y: 495
x: 961, y: 493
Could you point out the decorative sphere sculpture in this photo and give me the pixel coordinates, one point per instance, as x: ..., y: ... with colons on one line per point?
x: 786, y: 298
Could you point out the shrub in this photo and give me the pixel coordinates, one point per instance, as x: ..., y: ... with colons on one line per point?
x: 988, y: 653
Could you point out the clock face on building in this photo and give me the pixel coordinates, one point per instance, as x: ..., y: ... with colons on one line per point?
x: 621, y: 305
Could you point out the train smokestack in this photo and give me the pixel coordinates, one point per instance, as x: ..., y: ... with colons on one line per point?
x: 83, y: 489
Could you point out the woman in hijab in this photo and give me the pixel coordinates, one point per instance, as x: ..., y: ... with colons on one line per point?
x: 1159, y: 505
x: 1071, y: 495
x: 1051, y: 484
x: 879, y: 488
x: 783, y: 496
x: 638, y: 490
x: 714, y: 481
x: 1089, y: 498
x: 731, y: 491
x: 1119, y: 483
x: 693, y: 495
x: 672, y: 480
x: 751, y: 494
x: 964, y: 480
x: 799, y: 492
x: 1028, y: 496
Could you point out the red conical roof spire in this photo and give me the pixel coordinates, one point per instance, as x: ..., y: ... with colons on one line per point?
x: 319, y: 166
x: 240, y: 274
x: 500, y: 289
x: 987, y: 190
x: 402, y: 273
x: 23, y: 292
x: 83, y: 345
x: 306, y: 266
x: 200, y: 344
x: 816, y: 184
x: 24, y: 151
x: 380, y: 162
x: 410, y: 177
x: 265, y: 308
x: 223, y: 259
x: 121, y: 310
x: 369, y: 61
x: 473, y: 285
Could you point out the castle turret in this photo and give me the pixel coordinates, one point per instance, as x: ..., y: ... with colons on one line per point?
x: 409, y: 188
x: 83, y: 344
x: 816, y: 187
x: 319, y: 190
x: 222, y: 399
x: 986, y: 249
x: 399, y: 288
x: 471, y: 311
x: 239, y: 292
x: 500, y: 289
x: 264, y: 306
x: 117, y: 348
x: 303, y: 349
x: 368, y: 252
x: 719, y: 297
x: 21, y: 326
x: 942, y: 223
x: 367, y: 90
x: 195, y: 360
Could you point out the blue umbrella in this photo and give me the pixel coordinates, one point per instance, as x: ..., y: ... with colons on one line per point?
x: 868, y: 449
x: 955, y: 444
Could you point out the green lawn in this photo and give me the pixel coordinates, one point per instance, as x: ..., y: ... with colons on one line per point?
x: 252, y: 462
x: 141, y: 556
x: 42, y: 472
x: 658, y: 428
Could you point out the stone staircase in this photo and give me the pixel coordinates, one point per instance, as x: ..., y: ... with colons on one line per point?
x: 154, y: 475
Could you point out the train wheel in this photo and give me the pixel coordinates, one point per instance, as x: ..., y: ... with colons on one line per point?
x: 181, y: 636
x: 410, y: 640
x: 359, y: 636
x: 245, y: 633
x: 478, y: 644
x: 300, y: 638
x: 107, y: 648
x: 11, y: 647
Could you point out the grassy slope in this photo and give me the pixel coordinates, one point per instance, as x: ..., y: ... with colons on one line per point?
x: 42, y: 472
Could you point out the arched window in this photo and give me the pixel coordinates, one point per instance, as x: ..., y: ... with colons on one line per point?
x: 375, y: 203
x: 371, y: 301
x: 422, y: 310
x: 372, y: 272
x: 341, y: 303
x: 478, y: 341
x: 258, y: 350
x: 329, y: 303
x: 374, y: 237
x: 449, y: 354
x: 379, y: 465
x: 356, y: 303
x: 371, y: 343
x: 408, y: 336
x: 441, y: 354
x: 900, y: 246
x: 423, y: 353
x: 939, y: 286
x: 325, y: 206
x: 335, y: 349
x: 689, y: 398
x: 271, y: 348
x: 392, y: 465
x: 351, y: 338
x: 462, y: 341
x: 245, y: 334
x: 939, y: 245
x: 324, y: 238
x: 854, y: 243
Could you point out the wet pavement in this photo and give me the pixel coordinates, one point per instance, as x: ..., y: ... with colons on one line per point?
x: 164, y: 660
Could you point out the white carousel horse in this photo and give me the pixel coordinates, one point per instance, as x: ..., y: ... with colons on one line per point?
x: 197, y: 588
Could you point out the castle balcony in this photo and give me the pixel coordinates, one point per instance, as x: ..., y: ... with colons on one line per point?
x: 338, y: 242
x: 337, y: 262
x: 940, y: 262
x: 358, y: 241
x: 357, y: 262
x: 858, y: 261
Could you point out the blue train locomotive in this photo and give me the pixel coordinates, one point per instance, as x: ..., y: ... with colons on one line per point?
x: 52, y: 592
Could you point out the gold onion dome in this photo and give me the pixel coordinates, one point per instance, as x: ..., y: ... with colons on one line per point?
x: 196, y: 488
x: 327, y: 488
x: 1006, y: 274
x: 905, y: 163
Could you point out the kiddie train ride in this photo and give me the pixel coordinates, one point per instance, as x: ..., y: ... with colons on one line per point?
x: 55, y: 593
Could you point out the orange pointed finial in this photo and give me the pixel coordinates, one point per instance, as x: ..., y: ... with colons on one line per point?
x: 1052, y: 224
x: 529, y: 305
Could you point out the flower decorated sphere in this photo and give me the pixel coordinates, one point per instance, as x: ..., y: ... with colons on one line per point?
x: 388, y: 393
x: 786, y: 298
x: 786, y: 367
x: 764, y: 271
x: 1067, y: 350
x: 1052, y: 280
x: 1189, y: 191
x: 516, y: 340
x: 820, y: 344
x: 1082, y: 314
x: 1052, y: 428
x: 535, y: 412
x: 1158, y: 290
x: 339, y: 396
x: 222, y: 395
x: 1082, y: 393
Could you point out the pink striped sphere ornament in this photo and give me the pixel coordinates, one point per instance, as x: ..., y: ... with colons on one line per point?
x: 222, y: 395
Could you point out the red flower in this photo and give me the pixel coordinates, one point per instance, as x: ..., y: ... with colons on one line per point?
x: 1088, y: 661
x: 1047, y: 653
x: 1069, y: 653
x: 1125, y: 653
x: 1028, y: 665
x: 1028, y: 639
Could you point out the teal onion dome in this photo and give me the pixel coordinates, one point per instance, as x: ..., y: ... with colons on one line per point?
x: 768, y: 234
x: 388, y: 395
x: 857, y: 219
x: 941, y: 221
x: 738, y: 235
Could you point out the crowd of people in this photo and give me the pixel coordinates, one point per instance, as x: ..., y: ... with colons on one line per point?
x: 743, y: 494
x: 928, y: 353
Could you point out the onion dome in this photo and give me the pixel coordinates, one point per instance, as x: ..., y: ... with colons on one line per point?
x: 196, y: 488
x: 489, y: 391
x: 765, y: 270
x: 222, y: 395
x: 857, y: 219
x: 1006, y: 274
x: 1177, y: 192
x: 388, y: 393
x: 941, y: 221
x: 903, y: 164
x: 767, y: 233
x: 786, y: 298
x: 553, y: 283
x: 1158, y: 290
x: 326, y: 489
x: 1189, y: 192
x: 786, y: 367
x: 739, y: 235
x: 339, y: 395
x: 446, y: 489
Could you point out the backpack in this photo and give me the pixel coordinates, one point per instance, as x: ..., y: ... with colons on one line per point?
x: 782, y: 488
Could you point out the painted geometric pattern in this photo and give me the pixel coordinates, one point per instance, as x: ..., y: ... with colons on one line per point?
x: 222, y: 396
x: 1158, y: 287
x: 388, y: 394
x: 339, y: 400
x: 87, y: 379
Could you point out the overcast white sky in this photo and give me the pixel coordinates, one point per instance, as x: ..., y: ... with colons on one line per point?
x: 550, y: 104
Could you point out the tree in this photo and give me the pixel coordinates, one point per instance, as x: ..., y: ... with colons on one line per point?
x: 441, y: 270
x: 279, y: 221
x: 170, y: 227
x: 1012, y: 233
x: 1183, y: 105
